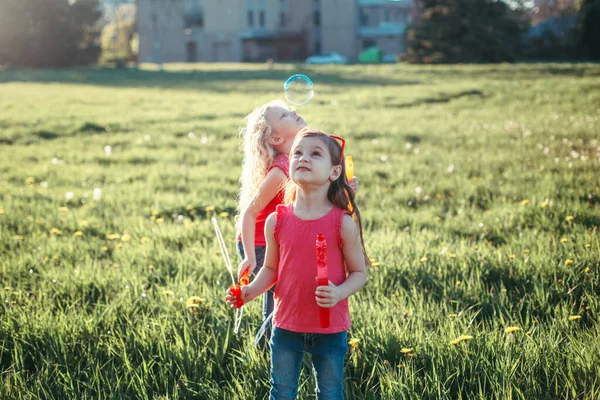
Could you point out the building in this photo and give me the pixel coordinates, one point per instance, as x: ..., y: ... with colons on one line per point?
x: 256, y: 30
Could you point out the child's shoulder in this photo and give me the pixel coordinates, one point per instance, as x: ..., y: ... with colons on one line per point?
x: 280, y: 161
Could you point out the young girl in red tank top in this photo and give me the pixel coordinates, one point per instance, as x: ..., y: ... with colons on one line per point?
x: 319, y: 201
x: 268, y: 135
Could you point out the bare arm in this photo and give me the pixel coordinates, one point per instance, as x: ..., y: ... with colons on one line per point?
x: 266, y: 192
x: 329, y: 296
x: 267, y: 276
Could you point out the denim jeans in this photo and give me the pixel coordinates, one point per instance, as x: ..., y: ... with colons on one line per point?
x: 268, y: 302
x: 328, y: 352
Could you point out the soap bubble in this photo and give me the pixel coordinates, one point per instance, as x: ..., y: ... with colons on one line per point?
x: 298, y: 89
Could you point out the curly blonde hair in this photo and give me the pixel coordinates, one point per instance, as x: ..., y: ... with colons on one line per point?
x: 258, y: 152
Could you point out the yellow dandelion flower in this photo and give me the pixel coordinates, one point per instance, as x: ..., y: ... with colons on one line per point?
x: 411, y: 355
x: 209, y: 208
x: 452, y: 315
x: 529, y: 332
x: 559, y: 281
x: 120, y: 246
x: 437, y: 219
x: 160, y: 220
x: 63, y: 209
x: 125, y: 238
x: 30, y: 180
x: 564, y: 240
x: 423, y: 259
x: 188, y: 207
x: 78, y: 234
x: 7, y: 288
x: 168, y: 293
x: 1, y: 211
x: 525, y: 202
x: 405, y: 313
x: 526, y: 251
x: 105, y: 248
x: 18, y: 237
x: 587, y: 270
x: 574, y: 317
x: 458, y: 283
x: 150, y: 267
x: 512, y: 257
x: 155, y: 212
x: 569, y: 218
x: 438, y: 195
x: 112, y: 236
x: 195, y: 300
x: 452, y: 255
x: 145, y: 239
x: 544, y: 204
x: 84, y: 224
x: 406, y: 350
x: 224, y: 214
x: 354, y: 342
x: 55, y: 231
x: 512, y: 329
x: 568, y: 261
x: 587, y: 245
x: 192, y: 306
x: 115, y: 265
x: 193, y: 212
x: 462, y: 338
x: 375, y: 264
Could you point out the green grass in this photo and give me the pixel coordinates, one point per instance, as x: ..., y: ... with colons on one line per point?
x: 480, y: 202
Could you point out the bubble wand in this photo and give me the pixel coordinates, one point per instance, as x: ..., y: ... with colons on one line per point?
x: 235, y: 289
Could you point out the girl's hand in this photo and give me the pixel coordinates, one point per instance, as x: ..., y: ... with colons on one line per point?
x: 328, y: 296
x: 354, y: 184
x: 249, y: 264
x: 231, y: 300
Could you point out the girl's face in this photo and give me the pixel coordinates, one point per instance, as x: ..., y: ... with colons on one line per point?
x: 311, y: 162
x: 283, y: 122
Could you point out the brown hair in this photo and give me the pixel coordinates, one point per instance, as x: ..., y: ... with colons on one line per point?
x: 340, y: 193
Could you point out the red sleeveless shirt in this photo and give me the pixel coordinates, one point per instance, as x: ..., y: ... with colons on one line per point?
x: 295, y: 306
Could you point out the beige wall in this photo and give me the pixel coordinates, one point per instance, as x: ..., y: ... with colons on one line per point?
x: 162, y: 41
x: 339, y: 27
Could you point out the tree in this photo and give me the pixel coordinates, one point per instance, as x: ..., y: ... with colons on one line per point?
x: 119, y: 36
x: 545, y: 9
x: 588, y: 30
x: 450, y: 31
x: 49, y: 33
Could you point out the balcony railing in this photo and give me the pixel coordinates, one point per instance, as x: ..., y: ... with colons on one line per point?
x: 383, y: 29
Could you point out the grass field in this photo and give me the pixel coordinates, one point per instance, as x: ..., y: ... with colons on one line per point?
x: 480, y: 202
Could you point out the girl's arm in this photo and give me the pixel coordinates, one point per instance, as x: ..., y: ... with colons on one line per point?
x: 329, y: 296
x: 266, y: 192
x: 267, y: 276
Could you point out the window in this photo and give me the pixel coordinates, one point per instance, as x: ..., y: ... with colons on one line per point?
x: 192, y: 55
x: 261, y: 18
x: 318, y: 47
x: 281, y: 19
x: 364, y: 18
x: 317, y: 18
x: 368, y: 43
x: 250, y: 18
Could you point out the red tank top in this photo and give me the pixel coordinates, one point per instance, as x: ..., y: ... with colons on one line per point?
x: 295, y: 306
x: 282, y: 162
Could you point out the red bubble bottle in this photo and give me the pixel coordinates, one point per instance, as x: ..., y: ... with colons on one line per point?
x: 322, y: 277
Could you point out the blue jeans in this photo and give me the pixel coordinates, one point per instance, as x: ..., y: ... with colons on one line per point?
x: 328, y: 352
x: 268, y: 302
